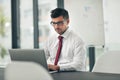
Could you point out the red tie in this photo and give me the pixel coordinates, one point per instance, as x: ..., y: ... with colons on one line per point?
x: 59, y: 50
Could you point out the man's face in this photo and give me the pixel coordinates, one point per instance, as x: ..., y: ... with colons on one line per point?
x: 60, y: 25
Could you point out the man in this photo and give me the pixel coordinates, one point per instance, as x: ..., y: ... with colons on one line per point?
x: 72, y: 54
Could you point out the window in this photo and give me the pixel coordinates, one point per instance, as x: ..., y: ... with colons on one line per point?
x: 26, y: 23
x: 5, y: 31
x: 45, y: 29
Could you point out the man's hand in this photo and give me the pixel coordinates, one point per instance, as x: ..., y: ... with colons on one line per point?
x: 53, y: 67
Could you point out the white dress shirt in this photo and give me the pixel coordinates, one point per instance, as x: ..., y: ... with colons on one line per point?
x: 72, y: 57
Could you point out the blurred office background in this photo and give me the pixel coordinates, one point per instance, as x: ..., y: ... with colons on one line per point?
x: 25, y: 24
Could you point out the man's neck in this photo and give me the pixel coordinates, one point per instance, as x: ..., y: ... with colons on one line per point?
x: 65, y: 30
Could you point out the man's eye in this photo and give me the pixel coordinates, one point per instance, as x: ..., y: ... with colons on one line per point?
x: 59, y: 22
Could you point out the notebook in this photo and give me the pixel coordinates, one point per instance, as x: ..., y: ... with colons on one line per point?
x: 35, y: 55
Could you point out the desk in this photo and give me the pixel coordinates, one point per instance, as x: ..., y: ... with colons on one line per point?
x: 85, y: 76
x: 78, y: 76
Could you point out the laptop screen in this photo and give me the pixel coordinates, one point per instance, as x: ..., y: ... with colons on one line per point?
x: 35, y: 55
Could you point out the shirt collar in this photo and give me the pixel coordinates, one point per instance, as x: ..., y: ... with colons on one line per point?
x: 66, y: 33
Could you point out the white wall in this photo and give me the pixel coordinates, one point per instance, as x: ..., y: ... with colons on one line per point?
x: 87, y: 20
x: 112, y: 24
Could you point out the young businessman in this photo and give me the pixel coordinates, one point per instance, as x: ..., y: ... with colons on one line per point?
x: 64, y: 50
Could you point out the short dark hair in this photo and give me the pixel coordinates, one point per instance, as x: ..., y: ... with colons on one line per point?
x: 59, y: 12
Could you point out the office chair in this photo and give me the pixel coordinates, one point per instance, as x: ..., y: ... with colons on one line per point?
x: 108, y: 63
x: 26, y: 71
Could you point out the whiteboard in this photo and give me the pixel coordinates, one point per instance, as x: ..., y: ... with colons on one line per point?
x: 86, y: 19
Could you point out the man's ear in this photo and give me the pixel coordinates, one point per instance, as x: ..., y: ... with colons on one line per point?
x: 68, y: 21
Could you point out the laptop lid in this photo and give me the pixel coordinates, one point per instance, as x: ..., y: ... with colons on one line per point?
x: 35, y: 55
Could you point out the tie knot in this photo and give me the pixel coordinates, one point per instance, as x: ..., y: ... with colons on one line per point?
x: 60, y: 37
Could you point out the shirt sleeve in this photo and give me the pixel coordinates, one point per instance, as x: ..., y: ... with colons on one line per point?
x: 79, y: 59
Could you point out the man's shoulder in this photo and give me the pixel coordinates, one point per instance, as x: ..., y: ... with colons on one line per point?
x: 52, y: 37
x: 76, y: 37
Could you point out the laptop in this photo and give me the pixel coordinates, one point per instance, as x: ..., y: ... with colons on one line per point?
x: 35, y: 55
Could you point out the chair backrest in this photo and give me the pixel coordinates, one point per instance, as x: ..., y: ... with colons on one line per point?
x: 108, y: 63
x: 26, y: 71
